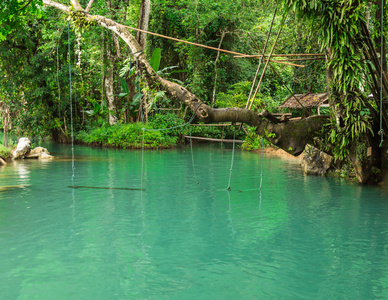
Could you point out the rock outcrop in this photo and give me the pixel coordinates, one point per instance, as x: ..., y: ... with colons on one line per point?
x: 23, y: 150
x: 315, y: 162
x: 39, y: 152
x: 23, y: 147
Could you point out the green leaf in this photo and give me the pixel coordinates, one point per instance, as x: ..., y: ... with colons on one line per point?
x: 124, y: 87
x: 96, y: 108
x: 137, y: 98
x: 155, y: 59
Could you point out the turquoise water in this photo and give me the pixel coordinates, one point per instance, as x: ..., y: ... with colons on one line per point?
x: 300, y: 238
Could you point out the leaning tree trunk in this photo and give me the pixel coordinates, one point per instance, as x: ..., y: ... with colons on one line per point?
x: 292, y: 136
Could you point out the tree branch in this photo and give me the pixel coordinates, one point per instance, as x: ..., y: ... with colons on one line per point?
x: 56, y: 5
x: 76, y: 5
x: 28, y: 3
x: 89, y: 6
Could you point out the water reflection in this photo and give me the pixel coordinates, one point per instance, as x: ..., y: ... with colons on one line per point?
x: 23, y: 170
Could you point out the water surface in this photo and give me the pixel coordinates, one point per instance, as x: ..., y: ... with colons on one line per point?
x: 299, y: 238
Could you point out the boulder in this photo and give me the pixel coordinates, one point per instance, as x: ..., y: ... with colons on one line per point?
x: 23, y: 147
x: 45, y: 155
x: 39, y: 152
x: 23, y: 150
x: 315, y: 162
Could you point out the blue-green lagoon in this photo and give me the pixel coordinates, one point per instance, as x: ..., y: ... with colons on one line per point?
x: 298, y: 238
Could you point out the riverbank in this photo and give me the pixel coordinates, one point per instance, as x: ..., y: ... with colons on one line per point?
x: 5, y: 155
x: 280, y: 153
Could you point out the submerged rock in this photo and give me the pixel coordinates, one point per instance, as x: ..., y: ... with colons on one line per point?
x: 315, y: 162
x: 12, y: 187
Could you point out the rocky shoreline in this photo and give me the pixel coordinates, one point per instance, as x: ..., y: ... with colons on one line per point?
x: 23, y: 150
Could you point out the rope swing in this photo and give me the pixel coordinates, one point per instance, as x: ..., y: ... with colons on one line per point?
x: 144, y: 129
x: 71, y: 106
x: 234, y: 142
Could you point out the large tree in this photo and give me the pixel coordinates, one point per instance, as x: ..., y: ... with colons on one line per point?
x: 356, y: 66
x: 290, y: 136
x: 345, y: 37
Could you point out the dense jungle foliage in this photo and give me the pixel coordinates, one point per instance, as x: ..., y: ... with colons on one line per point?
x: 35, y: 62
x: 44, y: 51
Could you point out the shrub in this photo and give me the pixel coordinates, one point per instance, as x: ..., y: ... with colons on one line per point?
x: 131, y: 135
x: 5, y: 152
x: 253, y: 141
x: 168, y: 120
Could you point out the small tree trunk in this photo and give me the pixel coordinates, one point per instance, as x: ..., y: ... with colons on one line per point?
x: 109, y: 92
x: 6, y: 122
x: 5, y: 138
x: 144, y: 17
x: 366, y: 158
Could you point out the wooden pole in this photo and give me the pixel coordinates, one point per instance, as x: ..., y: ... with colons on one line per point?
x: 279, y: 55
x: 238, y: 55
x: 182, y: 41
x: 299, y: 59
x: 213, y: 140
x: 215, y: 67
x: 266, y: 64
x: 286, y: 63
x: 297, y: 100
x: 258, y: 67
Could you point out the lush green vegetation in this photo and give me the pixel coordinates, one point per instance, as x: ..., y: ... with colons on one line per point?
x: 36, y: 61
x: 157, y: 136
x: 131, y: 135
x: 38, y: 51
x: 253, y: 141
x: 5, y: 152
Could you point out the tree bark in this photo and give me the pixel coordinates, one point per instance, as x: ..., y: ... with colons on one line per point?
x: 5, y: 138
x: 109, y: 92
x: 6, y: 121
x: 109, y: 77
x: 144, y: 17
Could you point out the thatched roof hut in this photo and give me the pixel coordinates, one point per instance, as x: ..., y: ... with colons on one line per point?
x: 307, y: 100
